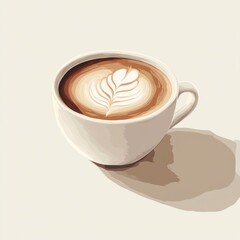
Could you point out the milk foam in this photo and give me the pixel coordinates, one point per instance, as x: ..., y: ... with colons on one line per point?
x: 112, y: 92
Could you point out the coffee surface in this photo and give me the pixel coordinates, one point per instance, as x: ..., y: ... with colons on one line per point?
x: 114, y: 88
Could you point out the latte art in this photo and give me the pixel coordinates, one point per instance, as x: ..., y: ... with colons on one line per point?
x: 113, y: 89
x: 119, y: 90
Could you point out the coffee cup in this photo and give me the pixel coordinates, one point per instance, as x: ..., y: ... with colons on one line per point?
x: 121, y: 141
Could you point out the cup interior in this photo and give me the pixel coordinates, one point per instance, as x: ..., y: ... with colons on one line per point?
x: 118, y: 54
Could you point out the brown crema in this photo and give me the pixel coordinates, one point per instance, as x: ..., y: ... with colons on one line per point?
x: 154, y: 89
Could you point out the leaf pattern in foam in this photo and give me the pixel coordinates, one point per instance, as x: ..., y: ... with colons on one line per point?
x: 116, y: 90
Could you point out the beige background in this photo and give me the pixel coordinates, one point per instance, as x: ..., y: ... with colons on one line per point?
x: 48, y: 191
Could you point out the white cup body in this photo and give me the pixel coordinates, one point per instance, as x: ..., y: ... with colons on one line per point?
x: 114, y: 142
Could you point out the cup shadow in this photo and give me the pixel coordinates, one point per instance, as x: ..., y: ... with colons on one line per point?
x: 192, y: 170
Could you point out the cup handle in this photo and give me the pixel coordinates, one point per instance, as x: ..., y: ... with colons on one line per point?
x: 189, y: 105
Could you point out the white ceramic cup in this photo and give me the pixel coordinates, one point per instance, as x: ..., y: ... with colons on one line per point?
x: 120, y: 142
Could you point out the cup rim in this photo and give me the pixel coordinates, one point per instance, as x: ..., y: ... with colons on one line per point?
x: 116, y: 53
